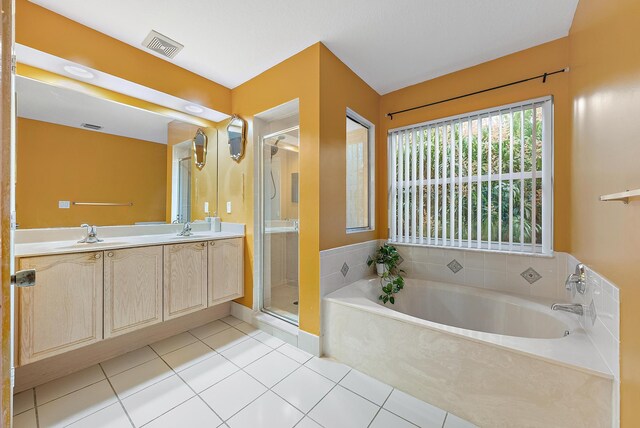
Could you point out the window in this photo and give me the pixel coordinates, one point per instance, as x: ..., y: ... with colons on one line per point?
x: 478, y: 180
x: 360, y: 161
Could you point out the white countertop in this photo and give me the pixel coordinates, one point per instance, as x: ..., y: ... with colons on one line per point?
x: 114, y: 243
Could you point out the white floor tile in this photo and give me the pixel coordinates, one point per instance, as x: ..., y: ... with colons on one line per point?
x: 140, y: 377
x: 366, y: 386
x: 183, y: 358
x: 152, y: 402
x: 25, y: 420
x: 174, y: 342
x: 109, y: 417
x: 192, y: 414
x: 271, y: 368
x: 127, y: 361
x: 246, y: 352
x: 64, y: 385
x: 416, y: 411
x: 386, y: 419
x: 303, y: 388
x: 225, y: 339
x: 231, y: 320
x: 232, y: 394
x: 208, y: 372
x: 23, y: 401
x: 328, y: 368
x: 268, y: 411
x: 307, y: 422
x: 342, y: 408
x: 295, y: 353
x: 455, y: 422
x: 269, y: 340
x: 247, y: 328
x: 209, y: 329
x: 77, y: 405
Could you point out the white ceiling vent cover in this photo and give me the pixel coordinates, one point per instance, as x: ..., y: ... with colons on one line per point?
x: 162, y: 44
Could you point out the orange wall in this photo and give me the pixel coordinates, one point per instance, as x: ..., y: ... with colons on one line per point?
x: 605, y: 93
x: 548, y: 57
x: 49, y: 32
x: 341, y: 88
x: 57, y: 162
x: 297, y: 77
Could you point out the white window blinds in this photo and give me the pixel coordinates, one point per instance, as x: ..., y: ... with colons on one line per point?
x: 480, y: 180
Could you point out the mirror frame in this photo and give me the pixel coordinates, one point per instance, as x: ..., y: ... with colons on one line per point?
x: 236, y: 148
x: 200, y: 163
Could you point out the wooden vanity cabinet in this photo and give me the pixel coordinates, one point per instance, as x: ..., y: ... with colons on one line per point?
x: 185, y: 279
x: 226, y: 270
x: 132, y: 289
x: 64, y: 310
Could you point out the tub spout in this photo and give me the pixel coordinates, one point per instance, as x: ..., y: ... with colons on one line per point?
x: 571, y: 308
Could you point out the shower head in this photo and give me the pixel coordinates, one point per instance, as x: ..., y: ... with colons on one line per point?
x: 274, y: 148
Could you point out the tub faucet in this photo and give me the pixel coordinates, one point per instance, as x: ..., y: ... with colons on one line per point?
x: 574, y: 308
x: 186, y: 230
x: 579, y: 279
x: 92, y: 235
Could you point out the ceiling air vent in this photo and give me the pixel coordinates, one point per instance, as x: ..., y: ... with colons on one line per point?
x: 91, y: 126
x: 162, y: 44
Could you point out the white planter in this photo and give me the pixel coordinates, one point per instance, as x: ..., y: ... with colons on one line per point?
x: 380, y: 268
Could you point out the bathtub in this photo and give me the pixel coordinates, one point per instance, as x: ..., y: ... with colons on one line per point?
x: 492, y: 358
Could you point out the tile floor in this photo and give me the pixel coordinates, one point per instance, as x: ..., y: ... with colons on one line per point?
x: 223, y: 374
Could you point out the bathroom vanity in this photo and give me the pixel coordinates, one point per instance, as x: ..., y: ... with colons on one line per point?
x: 86, y: 293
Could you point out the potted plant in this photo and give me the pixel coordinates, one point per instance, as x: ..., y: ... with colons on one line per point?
x: 391, y: 281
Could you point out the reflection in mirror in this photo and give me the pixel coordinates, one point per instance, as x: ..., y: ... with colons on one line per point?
x: 85, y: 159
x: 236, y: 131
x: 200, y: 148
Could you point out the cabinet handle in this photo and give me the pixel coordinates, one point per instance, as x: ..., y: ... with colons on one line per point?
x: 212, y: 243
x: 110, y: 254
x: 97, y: 256
x: 202, y: 244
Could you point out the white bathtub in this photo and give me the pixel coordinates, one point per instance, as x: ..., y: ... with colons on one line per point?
x: 492, y: 358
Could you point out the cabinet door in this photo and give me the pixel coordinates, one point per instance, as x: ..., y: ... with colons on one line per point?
x: 185, y: 278
x: 226, y: 270
x: 132, y: 289
x: 64, y: 310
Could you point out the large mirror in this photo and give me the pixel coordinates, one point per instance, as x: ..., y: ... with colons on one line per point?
x: 81, y: 158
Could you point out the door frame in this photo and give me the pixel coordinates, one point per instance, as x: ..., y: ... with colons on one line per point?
x: 7, y: 70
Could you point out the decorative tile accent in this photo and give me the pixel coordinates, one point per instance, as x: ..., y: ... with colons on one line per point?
x: 400, y: 260
x: 530, y: 275
x: 455, y: 266
x: 345, y: 269
x: 369, y: 259
x: 593, y: 313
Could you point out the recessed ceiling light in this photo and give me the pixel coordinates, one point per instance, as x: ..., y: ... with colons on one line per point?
x: 191, y: 108
x: 78, y: 71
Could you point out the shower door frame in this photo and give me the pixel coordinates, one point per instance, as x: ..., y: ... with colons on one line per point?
x: 262, y: 229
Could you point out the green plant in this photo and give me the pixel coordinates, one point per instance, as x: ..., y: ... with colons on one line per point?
x: 391, y: 279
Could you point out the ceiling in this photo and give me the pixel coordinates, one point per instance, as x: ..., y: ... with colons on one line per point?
x: 62, y: 106
x: 389, y: 44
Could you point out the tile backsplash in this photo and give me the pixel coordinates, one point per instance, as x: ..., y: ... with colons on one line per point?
x: 518, y: 274
x: 343, y: 265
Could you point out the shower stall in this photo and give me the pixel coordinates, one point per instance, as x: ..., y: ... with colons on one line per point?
x: 280, y: 198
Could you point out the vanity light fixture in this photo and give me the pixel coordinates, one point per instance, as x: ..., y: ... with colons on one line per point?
x: 78, y: 71
x: 192, y: 108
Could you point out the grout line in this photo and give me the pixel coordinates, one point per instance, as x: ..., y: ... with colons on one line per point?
x: 132, y: 367
x: 75, y: 390
x: 35, y: 407
x: 445, y: 419
x: 117, y: 398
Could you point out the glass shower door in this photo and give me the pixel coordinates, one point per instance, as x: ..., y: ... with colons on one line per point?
x: 280, y: 198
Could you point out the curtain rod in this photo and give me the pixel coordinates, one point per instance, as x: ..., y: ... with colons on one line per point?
x: 540, y: 76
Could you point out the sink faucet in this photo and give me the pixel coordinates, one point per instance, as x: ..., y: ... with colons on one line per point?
x: 186, y: 230
x: 92, y: 235
x: 574, y: 308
